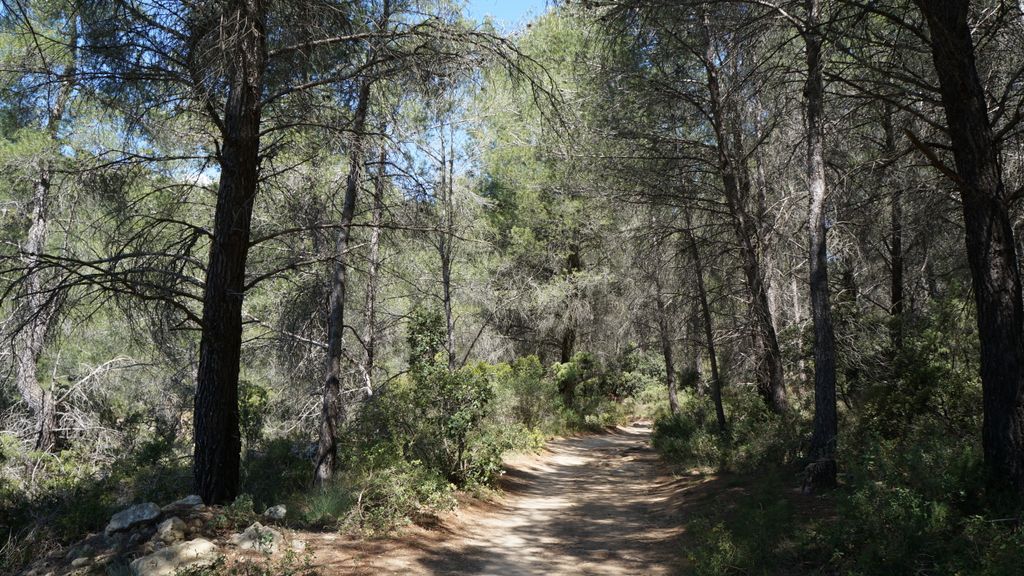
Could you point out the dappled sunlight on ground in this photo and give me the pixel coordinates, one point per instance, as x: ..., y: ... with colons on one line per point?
x: 598, y: 504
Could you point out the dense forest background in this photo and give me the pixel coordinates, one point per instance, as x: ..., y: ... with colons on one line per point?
x: 347, y: 253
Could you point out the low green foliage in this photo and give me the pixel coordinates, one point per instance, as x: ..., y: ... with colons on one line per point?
x: 252, y: 407
x: 402, y: 456
x: 760, y: 534
x: 754, y: 438
x: 278, y: 470
x: 608, y: 393
x: 71, y: 497
x: 913, y: 497
x: 235, y: 516
x: 526, y: 391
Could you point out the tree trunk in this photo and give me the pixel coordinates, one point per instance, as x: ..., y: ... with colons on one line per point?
x: 445, y: 247
x: 769, y: 373
x: 896, y: 298
x: 991, y: 250
x: 709, y: 334
x: 332, y: 409
x: 40, y: 307
x: 666, y: 345
x: 217, y: 437
x: 373, y: 271
x: 567, y: 345
x: 826, y: 421
x: 695, y: 335
x: 573, y: 263
x: 38, y: 311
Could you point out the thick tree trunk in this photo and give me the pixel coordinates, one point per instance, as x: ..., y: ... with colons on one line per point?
x: 991, y: 250
x: 216, y: 420
x: 38, y: 311
x: 769, y: 372
x: 709, y: 333
x: 39, y: 306
x: 826, y: 420
x: 332, y: 409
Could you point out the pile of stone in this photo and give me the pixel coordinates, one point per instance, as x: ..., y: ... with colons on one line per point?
x: 163, y: 541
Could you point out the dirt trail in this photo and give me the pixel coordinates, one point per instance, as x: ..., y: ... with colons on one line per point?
x: 599, y: 504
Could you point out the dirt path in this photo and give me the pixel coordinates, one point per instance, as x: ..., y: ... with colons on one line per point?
x: 598, y: 505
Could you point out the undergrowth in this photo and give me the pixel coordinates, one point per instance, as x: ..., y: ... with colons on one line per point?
x: 913, y: 496
x: 403, y: 456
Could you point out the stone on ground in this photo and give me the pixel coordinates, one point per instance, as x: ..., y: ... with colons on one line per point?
x: 131, y: 517
x: 276, y: 512
x: 192, y: 502
x: 167, y: 561
x: 171, y: 530
x: 258, y: 537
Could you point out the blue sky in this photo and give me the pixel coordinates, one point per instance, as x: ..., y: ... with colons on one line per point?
x: 508, y: 13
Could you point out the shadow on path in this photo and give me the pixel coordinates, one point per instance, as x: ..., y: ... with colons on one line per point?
x: 594, y: 505
x: 597, y: 504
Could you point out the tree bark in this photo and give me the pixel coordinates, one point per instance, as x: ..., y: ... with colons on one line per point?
x: 332, y: 410
x: 39, y: 309
x: 896, y: 263
x: 709, y: 334
x: 38, y: 312
x: 991, y: 250
x: 573, y: 264
x: 665, y: 335
x: 826, y: 420
x: 216, y: 420
x: 373, y: 271
x: 445, y: 247
x: 769, y: 372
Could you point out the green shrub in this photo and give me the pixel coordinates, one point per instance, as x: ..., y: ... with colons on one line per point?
x: 759, y: 532
x: 324, y: 507
x: 755, y: 438
x: 393, y: 496
x: 715, y: 552
x: 592, y: 397
x: 998, y: 545
x: 437, y: 413
x: 633, y: 372
x: 72, y: 495
x: 375, y: 490
x: 252, y: 407
x: 683, y: 439
x: 532, y: 394
x: 276, y: 472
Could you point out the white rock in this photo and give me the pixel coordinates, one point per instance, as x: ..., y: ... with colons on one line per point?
x: 192, y: 502
x: 131, y: 517
x: 198, y: 552
x: 298, y: 545
x: 276, y: 512
x: 78, y: 551
x: 171, y: 530
x: 80, y: 562
x: 258, y: 537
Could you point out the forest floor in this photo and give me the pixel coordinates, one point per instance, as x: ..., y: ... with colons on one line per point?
x: 597, y: 504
